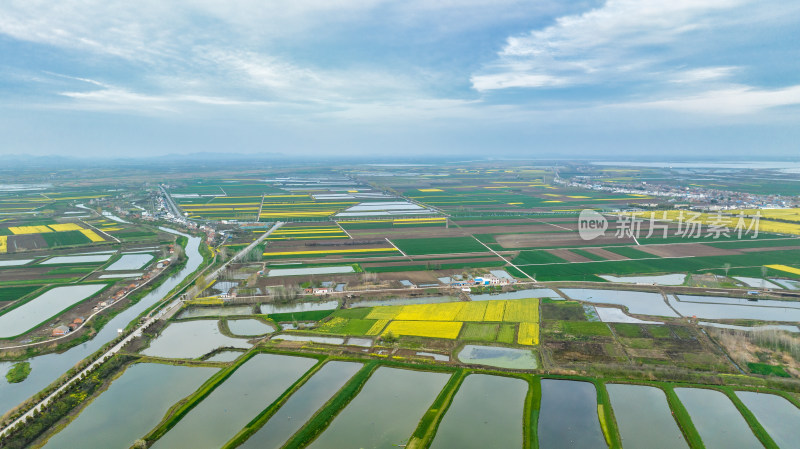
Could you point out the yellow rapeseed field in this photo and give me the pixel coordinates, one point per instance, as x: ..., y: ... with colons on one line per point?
x: 430, y: 190
x: 522, y: 310
x: 29, y: 229
x: 782, y: 214
x: 64, y: 227
x: 3, y: 244
x: 494, y: 311
x: 435, y: 312
x: 444, y: 320
x: 332, y: 324
x: 528, y: 334
x: 207, y: 301
x: 92, y: 235
x: 729, y: 221
x: 785, y: 268
x: 430, y: 329
x: 377, y: 327
x: 331, y: 251
x: 472, y: 311
x: 384, y: 313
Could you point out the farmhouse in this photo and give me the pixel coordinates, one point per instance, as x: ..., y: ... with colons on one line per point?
x: 60, y: 330
x: 487, y: 279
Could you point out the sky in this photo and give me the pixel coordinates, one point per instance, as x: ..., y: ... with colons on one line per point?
x: 626, y: 79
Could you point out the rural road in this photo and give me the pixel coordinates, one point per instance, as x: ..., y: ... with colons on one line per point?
x: 165, y: 312
x: 173, y: 208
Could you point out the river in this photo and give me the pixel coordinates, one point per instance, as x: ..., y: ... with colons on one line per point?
x: 47, y: 368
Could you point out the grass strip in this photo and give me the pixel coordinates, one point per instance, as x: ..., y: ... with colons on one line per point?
x: 320, y: 421
x: 181, y: 409
x: 606, y: 416
x: 262, y: 418
x: 748, y: 416
x: 683, y: 419
x: 426, y: 429
x: 533, y: 405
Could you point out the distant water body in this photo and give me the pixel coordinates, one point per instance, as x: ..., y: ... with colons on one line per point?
x: 783, y: 165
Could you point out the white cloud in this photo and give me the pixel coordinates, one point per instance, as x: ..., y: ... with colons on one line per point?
x: 515, y: 79
x: 733, y: 100
x: 112, y: 98
x: 703, y: 74
x: 617, y: 38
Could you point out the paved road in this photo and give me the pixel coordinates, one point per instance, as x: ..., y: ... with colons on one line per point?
x: 167, y: 311
x: 175, y: 211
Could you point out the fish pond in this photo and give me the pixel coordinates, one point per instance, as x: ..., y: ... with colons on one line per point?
x: 249, y: 327
x: 499, y: 357
x: 485, y: 412
x: 402, y: 396
x: 568, y: 416
x: 519, y: 294
x: 402, y: 301
x: 298, y: 307
x: 149, y: 389
x: 644, y: 417
x: 664, y: 279
x: 779, y: 417
x: 302, y: 405
x: 191, y: 339
x: 640, y: 303
x: 248, y: 391
x: 200, y: 312
x: 719, y: 310
x: 39, y: 309
x: 311, y: 338
x: 224, y: 356
x: 93, y: 258
x: 130, y: 262
x: 717, y: 420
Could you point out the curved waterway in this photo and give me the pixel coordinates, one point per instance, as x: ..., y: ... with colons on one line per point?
x: 47, y: 368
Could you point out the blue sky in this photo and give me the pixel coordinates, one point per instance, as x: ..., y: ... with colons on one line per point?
x: 495, y: 78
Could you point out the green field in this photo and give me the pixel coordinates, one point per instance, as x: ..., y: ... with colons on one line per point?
x: 14, y: 293
x: 767, y: 370
x: 449, y: 245
x: 588, y: 270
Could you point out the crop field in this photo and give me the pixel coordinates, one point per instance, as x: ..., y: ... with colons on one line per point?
x: 734, y: 223
x: 21, y: 204
x: 274, y: 209
x: 483, y: 195
x: 452, y: 245
x: 349, y: 252
x: 41, y: 234
x: 344, y: 326
x: 397, y: 223
x: 480, y: 321
x: 776, y: 214
x: 281, y: 199
x: 696, y: 264
x: 504, y: 313
x: 295, y: 232
x: 431, y: 329
x: 126, y: 232
x: 785, y: 269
